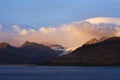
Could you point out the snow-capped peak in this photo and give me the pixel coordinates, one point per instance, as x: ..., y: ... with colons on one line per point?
x: 108, y: 20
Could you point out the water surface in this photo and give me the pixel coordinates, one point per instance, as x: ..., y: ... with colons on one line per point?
x: 59, y: 73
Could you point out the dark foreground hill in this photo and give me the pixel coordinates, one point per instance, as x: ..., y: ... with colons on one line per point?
x: 104, y: 53
x: 28, y: 53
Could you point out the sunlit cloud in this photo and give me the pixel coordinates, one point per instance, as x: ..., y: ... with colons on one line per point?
x: 70, y: 35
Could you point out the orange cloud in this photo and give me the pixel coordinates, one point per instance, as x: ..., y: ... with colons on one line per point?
x: 70, y: 35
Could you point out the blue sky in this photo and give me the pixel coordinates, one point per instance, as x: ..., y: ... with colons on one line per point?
x: 55, y: 12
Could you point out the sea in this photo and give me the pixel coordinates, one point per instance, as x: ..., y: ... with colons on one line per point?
x: 58, y: 73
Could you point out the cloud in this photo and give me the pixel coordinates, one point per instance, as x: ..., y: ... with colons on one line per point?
x: 0, y: 26
x: 16, y: 28
x: 69, y: 35
x: 99, y: 20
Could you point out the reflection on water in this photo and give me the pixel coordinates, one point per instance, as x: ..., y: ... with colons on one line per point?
x: 59, y: 73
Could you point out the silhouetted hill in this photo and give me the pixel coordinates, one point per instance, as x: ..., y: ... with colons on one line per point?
x: 11, y: 55
x: 28, y: 53
x: 38, y: 52
x: 105, y: 53
x: 5, y: 45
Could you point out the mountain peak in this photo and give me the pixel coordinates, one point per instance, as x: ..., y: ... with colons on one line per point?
x: 92, y: 41
x: 105, y: 20
x: 4, y: 45
x: 27, y: 43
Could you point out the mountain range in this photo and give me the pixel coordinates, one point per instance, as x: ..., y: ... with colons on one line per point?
x: 28, y: 53
x: 103, y: 53
x: 102, y: 49
x: 95, y: 52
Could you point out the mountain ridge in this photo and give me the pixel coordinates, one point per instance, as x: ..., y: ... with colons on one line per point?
x: 105, y: 53
x: 28, y: 53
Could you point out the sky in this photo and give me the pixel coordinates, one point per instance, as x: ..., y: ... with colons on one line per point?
x: 38, y: 13
x: 70, y: 23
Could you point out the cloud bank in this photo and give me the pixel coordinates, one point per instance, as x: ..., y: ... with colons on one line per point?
x: 68, y: 35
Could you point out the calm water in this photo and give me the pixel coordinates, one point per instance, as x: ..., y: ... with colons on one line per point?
x: 59, y: 73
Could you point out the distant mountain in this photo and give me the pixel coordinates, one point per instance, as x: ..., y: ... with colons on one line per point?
x: 12, y: 55
x: 56, y: 47
x: 28, y: 53
x: 63, y: 50
x: 5, y: 45
x: 105, y: 53
x: 38, y: 52
x: 92, y: 41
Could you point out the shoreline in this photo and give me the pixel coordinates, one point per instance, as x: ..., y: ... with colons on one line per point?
x: 34, y: 65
